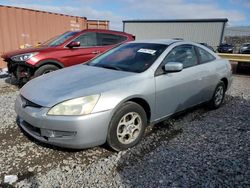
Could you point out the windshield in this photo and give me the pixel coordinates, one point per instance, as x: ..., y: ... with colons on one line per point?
x: 226, y: 45
x: 58, y: 40
x: 131, y: 57
x: 246, y: 45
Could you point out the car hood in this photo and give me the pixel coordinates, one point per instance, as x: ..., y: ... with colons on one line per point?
x: 68, y: 83
x: 8, y: 55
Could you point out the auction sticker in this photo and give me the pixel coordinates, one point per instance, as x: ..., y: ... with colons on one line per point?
x: 147, y: 51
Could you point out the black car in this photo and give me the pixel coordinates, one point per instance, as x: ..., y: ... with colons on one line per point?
x: 245, y: 48
x: 244, y: 66
x: 225, y: 48
x: 205, y: 44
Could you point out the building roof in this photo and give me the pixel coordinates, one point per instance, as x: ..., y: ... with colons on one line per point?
x: 98, y: 20
x: 178, y: 20
x: 35, y: 10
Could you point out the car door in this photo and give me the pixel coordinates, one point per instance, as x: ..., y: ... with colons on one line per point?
x: 207, y: 67
x: 87, y: 50
x: 179, y: 90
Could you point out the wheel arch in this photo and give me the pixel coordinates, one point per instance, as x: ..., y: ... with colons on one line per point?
x: 49, y: 62
x: 138, y: 100
x: 144, y: 104
x: 225, y: 81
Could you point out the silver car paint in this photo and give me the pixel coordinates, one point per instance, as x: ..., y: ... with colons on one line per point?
x: 165, y: 94
x: 82, y: 125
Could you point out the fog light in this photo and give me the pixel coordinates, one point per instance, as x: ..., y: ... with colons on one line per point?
x: 54, y: 134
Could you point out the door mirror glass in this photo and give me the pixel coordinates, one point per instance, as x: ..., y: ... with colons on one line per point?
x: 74, y: 44
x: 173, y: 67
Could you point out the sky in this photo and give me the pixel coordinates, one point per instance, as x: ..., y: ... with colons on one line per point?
x: 237, y: 11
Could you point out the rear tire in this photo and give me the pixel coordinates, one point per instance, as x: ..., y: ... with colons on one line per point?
x: 45, y: 69
x: 218, y: 96
x: 127, y: 126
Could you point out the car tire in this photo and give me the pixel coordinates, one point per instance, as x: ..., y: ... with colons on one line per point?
x: 127, y: 126
x: 218, y: 96
x: 45, y: 69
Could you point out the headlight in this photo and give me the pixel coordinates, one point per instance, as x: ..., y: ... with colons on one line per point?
x: 75, y: 107
x: 23, y: 57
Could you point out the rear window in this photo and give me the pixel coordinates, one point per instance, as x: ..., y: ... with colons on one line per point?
x: 132, y: 57
x: 204, y: 56
x: 105, y: 39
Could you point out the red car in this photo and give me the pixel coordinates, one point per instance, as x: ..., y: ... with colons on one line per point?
x: 70, y: 48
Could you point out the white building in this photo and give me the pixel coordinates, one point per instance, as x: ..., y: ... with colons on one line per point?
x: 210, y: 31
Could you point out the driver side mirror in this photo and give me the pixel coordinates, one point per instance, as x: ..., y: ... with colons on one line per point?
x: 173, y: 67
x: 74, y: 44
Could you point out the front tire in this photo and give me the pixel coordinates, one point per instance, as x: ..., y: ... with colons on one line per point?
x: 127, y: 126
x: 45, y: 69
x: 218, y: 96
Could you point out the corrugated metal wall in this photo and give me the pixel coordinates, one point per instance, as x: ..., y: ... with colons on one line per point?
x: 208, y: 32
x: 97, y: 24
x: 20, y: 27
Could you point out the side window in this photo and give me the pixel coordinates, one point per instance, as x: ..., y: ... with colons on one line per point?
x: 184, y: 54
x: 204, y: 55
x: 87, y: 40
x: 109, y: 39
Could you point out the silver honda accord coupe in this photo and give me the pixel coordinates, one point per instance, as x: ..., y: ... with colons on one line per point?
x: 112, y: 98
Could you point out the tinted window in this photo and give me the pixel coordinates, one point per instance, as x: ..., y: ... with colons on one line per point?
x: 246, y: 45
x: 226, y: 45
x: 204, y: 55
x: 87, y: 40
x: 184, y: 54
x: 109, y: 39
x: 132, y: 57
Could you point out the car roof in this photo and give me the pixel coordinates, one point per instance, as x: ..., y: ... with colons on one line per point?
x: 105, y: 31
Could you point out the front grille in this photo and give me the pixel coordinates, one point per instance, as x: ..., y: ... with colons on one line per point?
x: 12, y: 66
x: 26, y: 102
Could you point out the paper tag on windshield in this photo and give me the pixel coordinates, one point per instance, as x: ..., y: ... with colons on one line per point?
x: 147, y: 51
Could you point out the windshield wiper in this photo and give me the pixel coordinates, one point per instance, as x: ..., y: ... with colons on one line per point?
x: 110, y: 67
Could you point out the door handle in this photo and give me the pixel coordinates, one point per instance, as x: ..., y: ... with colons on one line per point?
x: 95, y: 52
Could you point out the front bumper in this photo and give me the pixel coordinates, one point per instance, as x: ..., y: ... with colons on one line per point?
x: 225, y: 50
x: 20, y: 69
x: 65, y: 131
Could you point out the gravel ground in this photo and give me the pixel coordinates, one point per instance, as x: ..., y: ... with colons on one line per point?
x: 199, y: 148
x: 240, y: 87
